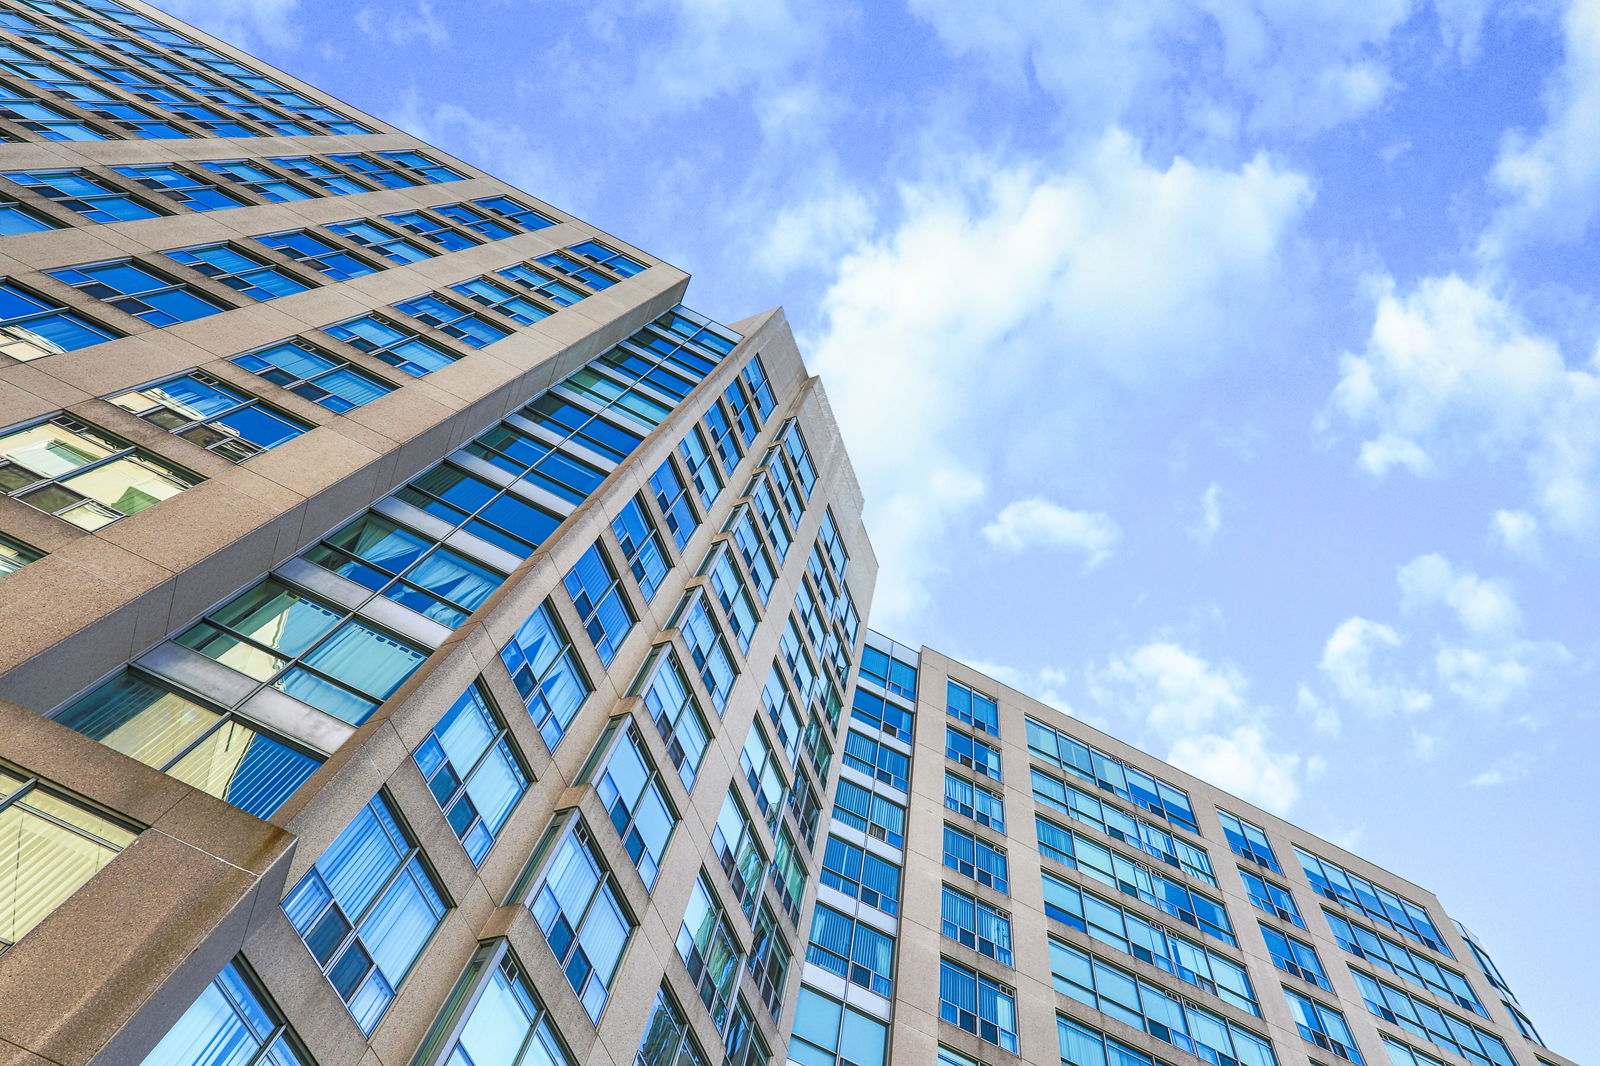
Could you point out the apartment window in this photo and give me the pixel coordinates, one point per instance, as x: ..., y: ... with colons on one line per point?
x: 677, y: 716
x: 1379, y: 904
x: 761, y: 772
x: 1396, y: 958
x: 140, y: 292
x: 239, y: 271
x: 87, y: 195
x: 975, y: 802
x: 1149, y: 838
x: 828, y: 1033
x: 788, y: 874
x: 407, y: 567
x: 709, y: 651
x: 530, y: 459
x: 745, y: 422
x: 1421, y: 1018
x: 563, y: 263
x: 204, y: 411
x: 709, y: 951
x: 860, y: 874
x: 976, y: 858
x: 1117, y: 927
x: 1323, y: 1026
x: 1270, y: 898
x: 597, y: 596
x: 321, y: 175
x: 702, y: 468
x: 1082, y: 1046
x: 578, y: 906
x: 520, y: 213
x: 728, y: 584
x: 546, y: 673
x: 32, y: 327
x: 851, y: 950
x: 783, y: 485
x: 889, y: 673
x: 14, y: 555
x: 488, y: 228
x: 723, y: 441
x: 314, y: 375
x: 1249, y: 840
x: 1295, y: 957
x: 540, y: 284
x: 798, y: 660
x: 218, y: 753
x: 506, y: 1025
x: 738, y: 849
x: 769, y: 960
x: 370, y: 235
x: 878, y: 817
x: 754, y: 553
x: 423, y: 166
x: 473, y: 771
x: 468, y: 327
x: 630, y: 789
x: 794, y: 446
x: 979, y: 1004
x: 744, y: 1043
x: 642, y: 551
x: 606, y: 439
x: 972, y: 707
x: 38, y: 117
x: 14, y: 218
x: 972, y: 753
x: 395, y: 345
x: 667, y: 1038
x: 445, y: 236
x: 1134, y: 1001
x: 1402, y: 1055
x: 52, y: 844
x: 1111, y: 774
x: 970, y: 921
x: 231, y: 1021
x: 258, y: 180
x: 310, y: 250
x: 366, y: 910
x: 877, y: 760
x: 633, y: 364
x: 755, y: 378
x: 501, y: 300
x: 82, y: 475
x: 609, y: 258
x: 185, y: 189
x: 1109, y: 868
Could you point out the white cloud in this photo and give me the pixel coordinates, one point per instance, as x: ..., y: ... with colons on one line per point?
x: 1551, y: 179
x: 1505, y: 771
x: 1324, y: 717
x: 1484, y: 606
x: 1205, y: 530
x: 241, y: 22
x: 1242, y: 762
x: 1170, y: 690
x: 810, y: 233
x: 421, y: 24
x: 1100, y: 279
x: 1517, y: 531
x: 1046, y: 684
x: 1360, y: 663
x: 1037, y: 522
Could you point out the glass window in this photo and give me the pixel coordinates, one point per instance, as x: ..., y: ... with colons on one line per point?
x: 1249, y: 840
x: 794, y: 446
x: 310, y: 372
x: 1111, y: 774
x: 1295, y: 957
x: 745, y: 422
x: 423, y: 166
x: 48, y: 122
x: 737, y: 846
x: 576, y: 269
x: 322, y: 256
x: 1379, y: 904
x: 744, y: 1043
x: 306, y: 649
x: 15, y: 218
x: 737, y: 605
x: 14, y: 555
x: 673, y: 499
x: 708, y: 650
x: 501, y: 300
x: 609, y: 258
x: 642, y: 551
x: 1082, y: 1046
x: 578, y: 906
x: 757, y: 560
x: 888, y: 673
x: 861, y: 874
x: 259, y: 180
x: 772, y: 522
x: 852, y: 950
x: 597, y: 596
x: 788, y: 874
x: 541, y: 284
x: 631, y: 791
x: 972, y: 753
x: 1396, y: 958
x: 468, y: 327
x: 877, y: 760
x: 702, y: 469
x: 432, y: 230
x: 723, y: 440
x: 1270, y: 898
x: 975, y: 802
x: 516, y: 450
x: 239, y: 271
x: 760, y: 765
x: 976, y: 858
x: 1323, y: 1026
x: 518, y: 212
x: 89, y: 478
x: 755, y: 379
x: 53, y: 845
x: 982, y: 1006
x: 484, y: 509
x: 546, y: 673
x: 507, y: 1024
x: 877, y: 816
x: 1421, y: 1018
x: 220, y: 754
x: 32, y: 327
x: 1402, y: 1055
x: 471, y: 218
x: 769, y: 960
x: 677, y: 715
x: 709, y: 951
x: 366, y: 910
x: 970, y: 921
x: 1119, y: 825
x: 977, y: 710
x: 667, y: 1039
x: 566, y: 419
x: 91, y: 197
x: 473, y: 770
x: 140, y: 292
x: 231, y: 1022
x: 321, y: 175
x: 218, y: 417
x: 391, y: 246
x: 828, y: 1033
x: 185, y: 189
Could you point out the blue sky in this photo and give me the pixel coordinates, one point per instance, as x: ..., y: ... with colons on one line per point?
x: 1223, y: 371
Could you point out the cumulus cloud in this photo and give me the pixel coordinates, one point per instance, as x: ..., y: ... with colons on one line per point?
x: 1168, y: 688
x: 422, y: 24
x: 1204, y: 531
x: 1484, y: 606
x: 1242, y: 762
x: 241, y: 22
x: 1512, y: 768
x: 1360, y: 662
x: 1037, y: 522
x: 1517, y: 531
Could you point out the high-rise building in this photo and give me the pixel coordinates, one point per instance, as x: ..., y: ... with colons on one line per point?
x: 423, y: 640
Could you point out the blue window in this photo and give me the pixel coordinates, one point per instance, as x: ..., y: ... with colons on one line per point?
x: 423, y: 166
x: 239, y: 271
x: 709, y: 951
x: 506, y: 1025
x: 468, y: 327
x: 975, y: 802
x: 769, y: 960
x: 794, y: 446
x: 1249, y: 840
x: 668, y: 1039
x: 513, y: 448
x: 565, y: 419
x: 860, y: 874
x: 386, y: 174
x: 183, y: 188
x: 312, y: 251
x: 977, y: 710
x: 755, y: 379
x: 232, y: 1021
x: 677, y: 715
x: 322, y: 176
x: 139, y: 292
x: 766, y: 508
x: 69, y: 469
x: 445, y: 236
x: 632, y: 793
x: 979, y: 1004
x: 888, y: 673
x: 877, y: 816
x: 406, y: 567
x: 1323, y: 1026
x: 32, y: 327
x: 757, y: 559
x: 87, y: 195
x: 642, y: 551
x: 738, y: 607
x: 1421, y: 1018
x: 783, y: 485
x: 738, y: 848
x: 395, y: 345
x: 702, y: 469
x: 1402, y: 1055
x: 1396, y: 958
x: 258, y: 180
x: 1295, y: 957
x: 1114, y: 925
x: 723, y: 440
x: 576, y: 902
x: 576, y: 269
x: 546, y: 673
x: 501, y: 300
x: 760, y: 765
x: 1111, y: 774
x: 609, y: 258
x: 14, y: 218
x: 741, y: 411
x: 851, y: 950
x: 219, y: 418
x: 597, y: 596
x: 1271, y: 898
x: 708, y: 651
x: 1119, y: 825
x: 877, y: 760
x: 473, y: 771
x: 1082, y: 1046
x: 370, y: 235
x: 37, y: 117
x: 220, y: 754
x: 470, y: 217
x: 1379, y: 904
x: 366, y: 910
x: 541, y: 284
x: 1124, y: 875
x: 673, y: 499
x: 972, y: 753
x: 314, y: 375
x: 970, y: 921
x: 974, y: 857
x: 520, y: 213
x: 828, y: 1033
